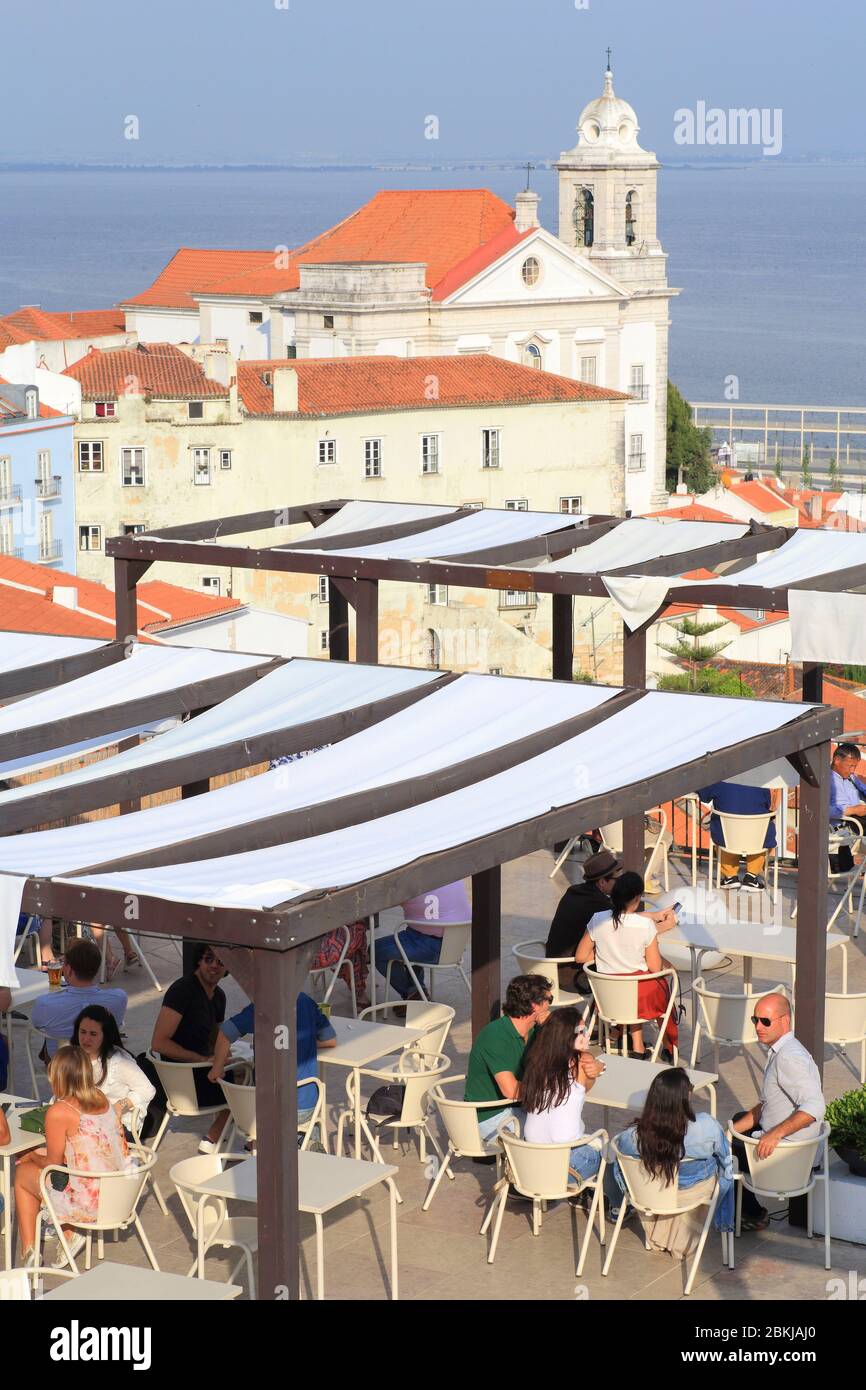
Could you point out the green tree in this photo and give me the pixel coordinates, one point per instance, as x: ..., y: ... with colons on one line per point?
x: 710, y: 681
x: 805, y: 469
x: 690, y: 650
x: 688, y: 448
x: 833, y: 472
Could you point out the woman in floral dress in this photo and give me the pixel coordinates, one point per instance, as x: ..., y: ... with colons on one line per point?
x: 82, y: 1131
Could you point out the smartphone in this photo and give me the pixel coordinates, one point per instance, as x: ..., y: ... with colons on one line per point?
x: 677, y: 908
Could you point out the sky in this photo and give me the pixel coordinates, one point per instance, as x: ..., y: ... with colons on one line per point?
x: 243, y: 81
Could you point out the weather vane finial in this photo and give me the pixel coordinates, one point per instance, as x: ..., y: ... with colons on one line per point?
x: 608, y: 60
x: 529, y: 168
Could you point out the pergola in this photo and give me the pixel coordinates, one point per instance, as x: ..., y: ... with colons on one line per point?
x: 462, y: 774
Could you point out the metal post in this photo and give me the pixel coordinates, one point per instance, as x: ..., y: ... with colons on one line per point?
x: 364, y: 598
x: 634, y: 674
x: 562, y: 639
x: 812, y: 903
x: 191, y: 789
x: 338, y: 623
x: 486, y: 947
x: 276, y: 992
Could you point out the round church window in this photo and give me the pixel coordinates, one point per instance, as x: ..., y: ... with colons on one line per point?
x: 531, y: 271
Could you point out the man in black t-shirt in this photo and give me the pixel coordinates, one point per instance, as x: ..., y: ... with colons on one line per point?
x: 187, y: 1025
x: 577, y: 905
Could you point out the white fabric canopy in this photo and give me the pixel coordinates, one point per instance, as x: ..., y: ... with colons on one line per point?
x: 292, y: 694
x: 639, y: 539
x: 369, y: 516
x: 827, y: 627
x: 637, y: 597
x: 478, y: 531
x: 806, y: 555
x: 470, y: 716
x: 149, y: 670
x: 24, y: 649
x: 633, y: 744
x: 19, y: 767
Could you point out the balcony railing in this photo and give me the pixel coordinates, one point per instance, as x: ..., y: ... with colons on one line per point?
x: 639, y: 391
x: 636, y: 462
x: 14, y: 552
x: 50, y: 550
x: 10, y: 496
x: 46, y: 488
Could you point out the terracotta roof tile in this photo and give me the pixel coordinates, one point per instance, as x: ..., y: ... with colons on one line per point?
x: 196, y: 269
x: 335, y: 386
x: 157, y: 369
x: 30, y: 324
x: 692, y: 511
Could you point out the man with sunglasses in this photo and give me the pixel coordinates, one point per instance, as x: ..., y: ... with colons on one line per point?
x: 792, y: 1104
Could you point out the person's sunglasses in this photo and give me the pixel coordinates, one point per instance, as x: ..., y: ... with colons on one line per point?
x: 766, y: 1022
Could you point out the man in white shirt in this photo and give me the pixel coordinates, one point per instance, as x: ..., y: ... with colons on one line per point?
x: 791, y: 1104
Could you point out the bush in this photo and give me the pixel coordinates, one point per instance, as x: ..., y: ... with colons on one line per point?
x: 708, y: 681
x: 847, y: 1120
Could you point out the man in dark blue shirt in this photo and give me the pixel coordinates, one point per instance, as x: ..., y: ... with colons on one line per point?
x: 739, y: 800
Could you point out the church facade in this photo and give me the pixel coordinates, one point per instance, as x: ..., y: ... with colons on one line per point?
x: 441, y: 272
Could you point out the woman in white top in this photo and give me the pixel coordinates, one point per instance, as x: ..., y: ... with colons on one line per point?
x: 117, y: 1074
x: 557, y: 1073
x: 624, y: 941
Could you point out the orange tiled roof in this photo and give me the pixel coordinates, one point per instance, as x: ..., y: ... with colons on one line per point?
x: 46, y: 412
x: 746, y: 624
x: 346, y: 385
x: 692, y: 511
x: 157, y: 369
x: 31, y: 323
x: 453, y: 232
x: 759, y: 496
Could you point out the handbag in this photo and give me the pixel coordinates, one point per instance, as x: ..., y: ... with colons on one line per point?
x: 33, y: 1121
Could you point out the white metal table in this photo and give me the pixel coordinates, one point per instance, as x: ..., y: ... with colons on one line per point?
x: 749, y: 940
x: 324, y: 1182
x: 360, y: 1042
x: 114, y: 1283
x: 624, y: 1083
x: 20, y: 1141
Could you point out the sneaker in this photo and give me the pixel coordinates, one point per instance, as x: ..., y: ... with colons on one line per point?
x: 76, y: 1245
x: 754, y: 883
x: 730, y: 881
x: 666, y: 1056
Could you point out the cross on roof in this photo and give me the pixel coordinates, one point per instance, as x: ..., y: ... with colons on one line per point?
x: 608, y: 59
x: 528, y: 167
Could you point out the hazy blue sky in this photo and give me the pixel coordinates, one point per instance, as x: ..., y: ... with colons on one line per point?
x: 243, y: 80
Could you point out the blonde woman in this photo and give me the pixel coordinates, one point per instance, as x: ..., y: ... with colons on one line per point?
x: 82, y: 1131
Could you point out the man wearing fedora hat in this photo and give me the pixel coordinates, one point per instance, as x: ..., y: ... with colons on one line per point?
x: 577, y: 904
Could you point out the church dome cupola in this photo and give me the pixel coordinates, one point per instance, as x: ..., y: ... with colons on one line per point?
x: 608, y: 122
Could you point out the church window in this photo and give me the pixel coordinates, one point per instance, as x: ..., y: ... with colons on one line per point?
x: 531, y: 271
x: 630, y: 217
x: 584, y: 216
x: 589, y: 370
x: 532, y: 356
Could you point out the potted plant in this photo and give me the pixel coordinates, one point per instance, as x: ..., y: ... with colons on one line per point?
x: 846, y: 1117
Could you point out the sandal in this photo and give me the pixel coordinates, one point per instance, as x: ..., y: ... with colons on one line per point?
x: 132, y: 960
x: 113, y: 965
x: 756, y: 1223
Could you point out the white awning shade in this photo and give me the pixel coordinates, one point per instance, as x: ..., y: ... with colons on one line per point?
x: 21, y: 650
x: 479, y: 531
x: 639, y: 539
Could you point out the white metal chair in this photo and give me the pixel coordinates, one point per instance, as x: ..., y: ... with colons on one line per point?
x: 849, y: 833
x: 541, y: 1173
x: 146, y: 965
x: 241, y: 1101
x: 657, y: 839
x: 117, y: 1208
x: 29, y: 1036
x: 435, y: 1019
x: 416, y: 1072
x: 616, y: 1002
x: 788, y: 1172
x: 331, y: 973
x: 725, y: 1019
x: 651, y: 1197
x: 531, y: 960
x: 178, y: 1082
x: 455, y: 939
x: 743, y: 835
x: 460, y: 1121
x: 208, y: 1216
x: 844, y: 1023
x: 21, y: 1285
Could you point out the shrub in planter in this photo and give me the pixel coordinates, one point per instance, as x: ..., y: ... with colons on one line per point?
x: 847, y: 1120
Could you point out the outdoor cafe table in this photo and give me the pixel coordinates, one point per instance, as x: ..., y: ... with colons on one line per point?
x: 625, y: 1081
x: 31, y: 984
x: 113, y: 1283
x: 20, y: 1141
x: 360, y: 1042
x: 324, y: 1182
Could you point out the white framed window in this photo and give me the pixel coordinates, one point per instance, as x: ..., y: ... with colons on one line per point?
x: 256, y: 316
x: 636, y: 454
x: 212, y: 584
x: 430, y: 453
x: 134, y: 528
x: 494, y: 670
x: 132, y: 465
x: 201, y: 474
x: 372, y: 458
x: 46, y: 536
x: 7, y: 536
x: 437, y: 593
x: 327, y: 320
x: 327, y: 451
x: 530, y: 271
x: 324, y: 591
x: 637, y: 387
x: 589, y: 370
x: 324, y: 640
x: 225, y: 459
x: 5, y: 478
x: 572, y: 506
x: 90, y: 456
x: 90, y: 538
x: 473, y: 506
x: 195, y: 410
x: 517, y: 504
x: 105, y: 410
x: 517, y: 598
x: 43, y: 466
x: 532, y: 356
x: 490, y: 442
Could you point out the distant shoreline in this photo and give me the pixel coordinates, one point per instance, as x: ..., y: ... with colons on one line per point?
x: 407, y: 167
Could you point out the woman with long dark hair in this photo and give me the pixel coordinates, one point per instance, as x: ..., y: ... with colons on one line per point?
x: 557, y: 1073
x: 115, y: 1072
x: 680, y: 1148
x: 624, y: 941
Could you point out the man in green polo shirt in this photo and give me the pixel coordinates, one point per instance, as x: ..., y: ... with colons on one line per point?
x: 496, y: 1059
